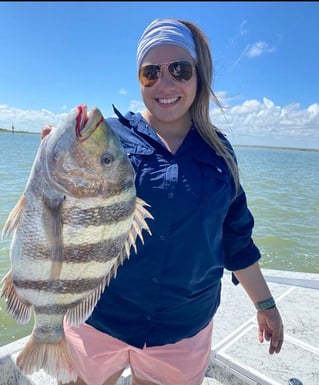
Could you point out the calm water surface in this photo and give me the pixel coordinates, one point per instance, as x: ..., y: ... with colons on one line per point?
x: 282, y: 188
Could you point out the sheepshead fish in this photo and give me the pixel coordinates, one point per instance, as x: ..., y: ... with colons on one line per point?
x: 73, y: 226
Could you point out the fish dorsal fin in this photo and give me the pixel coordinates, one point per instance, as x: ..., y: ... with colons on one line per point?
x: 53, y: 227
x: 20, y: 311
x: 81, y: 312
x: 139, y: 224
x: 13, y: 218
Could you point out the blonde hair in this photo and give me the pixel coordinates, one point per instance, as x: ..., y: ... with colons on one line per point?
x: 200, y: 107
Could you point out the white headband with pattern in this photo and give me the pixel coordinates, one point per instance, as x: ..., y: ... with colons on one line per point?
x: 163, y: 32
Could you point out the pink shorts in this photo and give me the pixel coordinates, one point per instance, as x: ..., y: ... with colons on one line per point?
x: 99, y: 356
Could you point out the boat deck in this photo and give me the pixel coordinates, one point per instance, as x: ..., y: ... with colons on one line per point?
x: 237, y: 358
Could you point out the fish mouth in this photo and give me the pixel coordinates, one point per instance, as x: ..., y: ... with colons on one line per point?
x: 86, y: 123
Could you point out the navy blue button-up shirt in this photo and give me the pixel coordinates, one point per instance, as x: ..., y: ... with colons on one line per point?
x: 171, y: 288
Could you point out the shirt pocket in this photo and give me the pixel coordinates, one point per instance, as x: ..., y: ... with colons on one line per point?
x: 136, y: 154
x: 215, y: 193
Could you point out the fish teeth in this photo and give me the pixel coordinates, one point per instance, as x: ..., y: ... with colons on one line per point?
x: 67, y: 246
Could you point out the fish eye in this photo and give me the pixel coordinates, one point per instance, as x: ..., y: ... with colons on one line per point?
x: 107, y: 158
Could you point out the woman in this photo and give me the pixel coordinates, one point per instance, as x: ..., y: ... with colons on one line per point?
x: 156, y: 315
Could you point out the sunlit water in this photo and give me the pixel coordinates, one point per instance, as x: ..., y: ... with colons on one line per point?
x: 282, y: 188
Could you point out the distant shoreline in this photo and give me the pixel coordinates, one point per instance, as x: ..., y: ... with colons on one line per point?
x: 277, y: 148
x: 6, y: 131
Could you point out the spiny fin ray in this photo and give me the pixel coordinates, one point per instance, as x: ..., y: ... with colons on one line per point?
x: 81, y: 312
x: 17, y: 309
x: 13, y: 218
x: 138, y: 225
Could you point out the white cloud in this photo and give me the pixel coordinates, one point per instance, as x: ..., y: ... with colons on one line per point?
x: 28, y: 120
x: 257, y: 49
x: 251, y: 122
x: 254, y: 50
x: 264, y: 123
x: 243, y: 29
x: 123, y: 91
x: 136, y: 106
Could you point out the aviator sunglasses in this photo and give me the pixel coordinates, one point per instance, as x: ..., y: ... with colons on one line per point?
x: 180, y: 70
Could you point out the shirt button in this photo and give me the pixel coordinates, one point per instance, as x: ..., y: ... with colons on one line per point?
x: 170, y: 195
x: 148, y: 317
x: 155, y: 279
x: 162, y: 237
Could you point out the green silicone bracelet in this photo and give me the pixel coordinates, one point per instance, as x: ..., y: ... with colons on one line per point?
x: 265, y: 305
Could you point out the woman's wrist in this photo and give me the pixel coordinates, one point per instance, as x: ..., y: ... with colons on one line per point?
x: 267, y: 304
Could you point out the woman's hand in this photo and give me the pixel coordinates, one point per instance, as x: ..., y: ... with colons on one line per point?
x: 46, y: 130
x: 270, y: 328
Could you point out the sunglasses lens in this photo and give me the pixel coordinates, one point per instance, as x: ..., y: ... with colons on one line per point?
x: 181, y: 70
x: 149, y: 74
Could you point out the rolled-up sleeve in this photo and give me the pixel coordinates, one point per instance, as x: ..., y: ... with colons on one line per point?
x: 240, y: 250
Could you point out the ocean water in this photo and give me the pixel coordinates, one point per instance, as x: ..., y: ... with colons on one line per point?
x: 282, y: 188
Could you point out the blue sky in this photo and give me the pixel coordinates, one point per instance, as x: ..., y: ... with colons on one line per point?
x: 56, y: 55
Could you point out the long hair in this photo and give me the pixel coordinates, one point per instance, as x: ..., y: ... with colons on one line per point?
x: 200, y: 107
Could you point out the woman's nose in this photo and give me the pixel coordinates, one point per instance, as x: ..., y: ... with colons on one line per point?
x: 166, y: 78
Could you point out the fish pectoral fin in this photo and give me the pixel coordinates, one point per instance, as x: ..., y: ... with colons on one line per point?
x: 16, y: 308
x: 13, y: 218
x: 81, y: 312
x: 53, y: 199
x: 52, y: 219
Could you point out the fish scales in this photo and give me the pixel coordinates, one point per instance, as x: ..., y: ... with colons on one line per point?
x: 72, y: 228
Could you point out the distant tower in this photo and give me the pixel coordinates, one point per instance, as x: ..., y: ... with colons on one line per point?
x: 12, y: 129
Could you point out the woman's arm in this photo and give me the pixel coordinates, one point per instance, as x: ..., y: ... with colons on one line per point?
x: 270, y: 326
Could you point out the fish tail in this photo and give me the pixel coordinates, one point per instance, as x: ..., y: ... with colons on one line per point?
x: 53, y: 358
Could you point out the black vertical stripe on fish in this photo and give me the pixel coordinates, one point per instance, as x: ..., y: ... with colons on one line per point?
x: 60, y: 286
x: 99, y: 215
x: 73, y: 227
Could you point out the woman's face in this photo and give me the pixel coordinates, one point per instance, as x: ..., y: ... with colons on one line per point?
x: 168, y: 100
